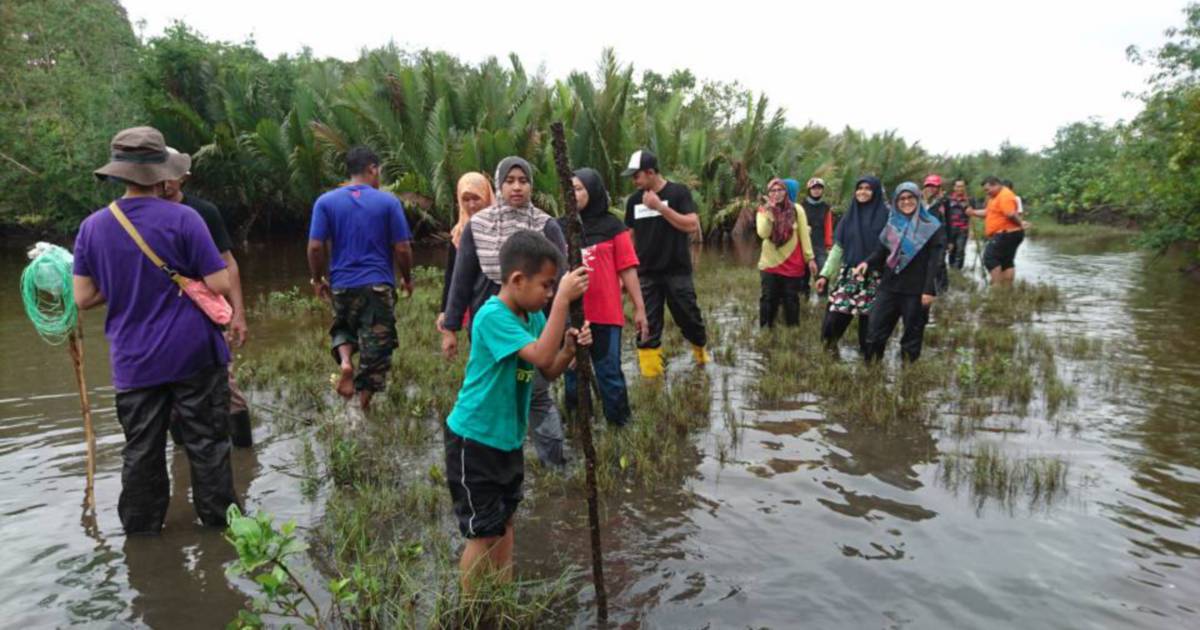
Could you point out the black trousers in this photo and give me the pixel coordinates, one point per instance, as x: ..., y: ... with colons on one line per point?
x: 679, y: 295
x: 779, y: 291
x: 835, y: 325
x: 201, y: 403
x: 889, y: 308
x: 956, y: 246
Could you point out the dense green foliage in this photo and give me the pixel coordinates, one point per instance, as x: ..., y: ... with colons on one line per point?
x: 1145, y: 169
x: 268, y: 135
x: 65, y: 71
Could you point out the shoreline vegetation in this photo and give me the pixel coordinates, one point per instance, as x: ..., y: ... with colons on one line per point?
x: 269, y: 135
x: 386, y: 547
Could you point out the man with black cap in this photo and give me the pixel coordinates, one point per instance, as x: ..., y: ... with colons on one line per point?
x: 663, y: 218
x: 165, y: 352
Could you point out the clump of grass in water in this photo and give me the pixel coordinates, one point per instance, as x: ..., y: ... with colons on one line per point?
x: 310, y: 483
x: 387, y: 523
x: 387, y: 520
x: 655, y: 443
x: 288, y: 304
x: 990, y: 475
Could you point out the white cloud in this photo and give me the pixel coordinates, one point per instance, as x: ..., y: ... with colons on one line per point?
x: 956, y: 76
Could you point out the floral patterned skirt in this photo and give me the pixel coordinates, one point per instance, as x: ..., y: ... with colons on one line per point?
x: 851, y: 295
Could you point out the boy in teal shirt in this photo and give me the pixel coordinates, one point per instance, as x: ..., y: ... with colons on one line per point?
x: 510, y: 337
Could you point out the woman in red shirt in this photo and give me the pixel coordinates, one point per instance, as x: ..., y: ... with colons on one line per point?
x: 608, y: 251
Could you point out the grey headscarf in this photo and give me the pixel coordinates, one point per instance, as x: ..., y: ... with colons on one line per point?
x: 492, y: 226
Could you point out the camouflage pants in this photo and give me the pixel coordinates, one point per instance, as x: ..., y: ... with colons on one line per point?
x: 365, y: 318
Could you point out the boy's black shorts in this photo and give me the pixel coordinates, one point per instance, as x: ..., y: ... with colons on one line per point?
x: 485, y: 484
x: 1001, y: 250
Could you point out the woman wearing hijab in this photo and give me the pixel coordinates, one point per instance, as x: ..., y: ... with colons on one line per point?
x: 853, y: 241
x: 477, y: 277
x: 787, y: 256
x: 609, y: 252
x: 911, y: 247
x: 474, y: 194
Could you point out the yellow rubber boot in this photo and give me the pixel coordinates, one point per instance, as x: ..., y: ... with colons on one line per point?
x: 702, y: 355
x: 650, y: 360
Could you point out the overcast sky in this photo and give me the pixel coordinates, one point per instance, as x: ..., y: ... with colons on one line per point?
x: 958, y: 76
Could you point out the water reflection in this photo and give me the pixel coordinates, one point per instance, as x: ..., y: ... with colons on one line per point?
x: 179, y: 577
x: 789, y: 531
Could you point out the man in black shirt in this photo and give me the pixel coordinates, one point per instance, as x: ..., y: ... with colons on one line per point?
x: 239, y: 412
x: 663, y: 218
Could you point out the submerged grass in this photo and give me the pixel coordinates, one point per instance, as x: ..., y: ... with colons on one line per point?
x: 388, y: 527
x: 991, y: 475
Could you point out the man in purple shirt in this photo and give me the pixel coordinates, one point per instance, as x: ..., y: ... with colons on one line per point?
x: 363, y: 234
x: 165, y: 352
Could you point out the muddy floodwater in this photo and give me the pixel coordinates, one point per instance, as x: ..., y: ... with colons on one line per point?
x: 803, y: 523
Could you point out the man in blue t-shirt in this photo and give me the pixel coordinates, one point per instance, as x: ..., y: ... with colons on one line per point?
x: 363, y: 234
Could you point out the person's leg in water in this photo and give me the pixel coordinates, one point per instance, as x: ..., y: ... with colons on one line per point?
x: 685, y: 310
x: 992, y: 262
x: 145, y: 488
x: 476, y: 562
x: 768, y: 300
x: 345, y: 382
x: 240, y: 431
x: 606, y: 363
x: 958, y: 248
x: 487, y: 558
x: 343, y: 334
x: 885, y: 312
x: 650, y: 360
x: 915, y: 317
x: 833, y: 327
x: 502, y: 554
x: 864, y: 332
x: 377, y: 340
x: 790, y: 297
x: 203, y: 404
x: 1010, y: 260
x: 545, y: 423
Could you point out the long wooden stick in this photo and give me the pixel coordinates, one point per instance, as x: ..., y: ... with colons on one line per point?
x: 76, y: 347
x: 583, y: 368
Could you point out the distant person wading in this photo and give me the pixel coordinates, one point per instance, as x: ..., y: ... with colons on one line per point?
x: 1004, y: 229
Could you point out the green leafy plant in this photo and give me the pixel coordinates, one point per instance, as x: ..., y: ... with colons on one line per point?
x: 264, y: 555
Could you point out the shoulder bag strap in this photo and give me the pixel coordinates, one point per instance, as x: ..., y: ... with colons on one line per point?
x: 141, y: 243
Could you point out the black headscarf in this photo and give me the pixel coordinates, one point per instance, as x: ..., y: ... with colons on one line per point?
x: 599, y: 224
x: 858, y: 231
